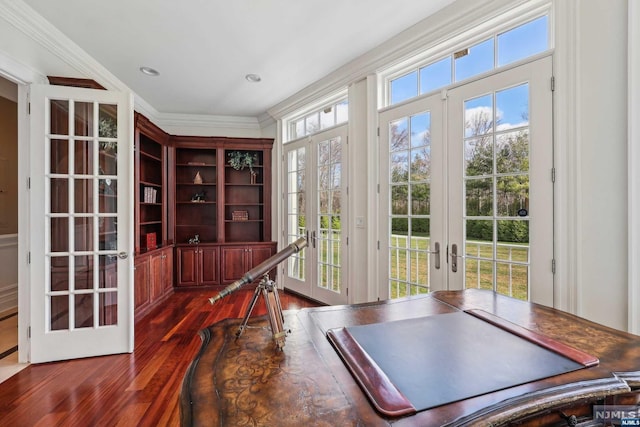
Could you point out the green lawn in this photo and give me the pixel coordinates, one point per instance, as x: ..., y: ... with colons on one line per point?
x: 411, y: 278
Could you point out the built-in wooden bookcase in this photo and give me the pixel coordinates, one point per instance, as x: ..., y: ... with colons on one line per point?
x: 153, y: 278
x: 221, y: 215
x: 150, y: 187
x: 244, y: 201
x: 196, y: 195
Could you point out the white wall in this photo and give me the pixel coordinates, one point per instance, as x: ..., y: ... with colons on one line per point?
x: 602, y: 145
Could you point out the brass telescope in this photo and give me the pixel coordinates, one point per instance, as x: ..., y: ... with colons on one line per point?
x: 268, y: 289
x: 262, y: 268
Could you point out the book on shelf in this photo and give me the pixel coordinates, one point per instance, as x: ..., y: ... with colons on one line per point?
x: 151, y: 241
x: 150, y: 195
x: 239, y: 216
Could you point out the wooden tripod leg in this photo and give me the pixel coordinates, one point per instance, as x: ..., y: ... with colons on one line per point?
x: 276, y: 318
x: 243, y: 325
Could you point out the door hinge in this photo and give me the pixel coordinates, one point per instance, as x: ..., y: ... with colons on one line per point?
x: 28, y: 257
x: 347, y: 291
x: 29, y: 332
x: 553, y: 174
x: 553, y: 83
x: 378, y: 244
x: 378, y: 188
x: 28, y: 183
x: 347, y: 242
x: 553, y: 266
x: 378, y: 130
x: 28, y: 108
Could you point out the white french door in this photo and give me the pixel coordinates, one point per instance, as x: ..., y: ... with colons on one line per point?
x: 469, y: 195
x: 315, y: 202
x: 81, y: 223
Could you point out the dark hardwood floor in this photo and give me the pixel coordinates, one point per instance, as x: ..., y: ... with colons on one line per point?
x: 141, y: 388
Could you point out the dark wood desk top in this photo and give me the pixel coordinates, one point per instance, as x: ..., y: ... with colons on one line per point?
x: 246, y: 381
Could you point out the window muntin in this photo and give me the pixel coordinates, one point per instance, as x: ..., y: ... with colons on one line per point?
x: 501, y: 49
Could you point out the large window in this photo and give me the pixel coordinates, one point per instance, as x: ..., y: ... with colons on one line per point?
x: 488, y: 54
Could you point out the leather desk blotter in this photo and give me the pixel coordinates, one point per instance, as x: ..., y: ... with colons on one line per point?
x: 415, y: 364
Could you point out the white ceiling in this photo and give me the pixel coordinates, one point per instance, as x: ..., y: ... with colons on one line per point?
x: 204, y: 48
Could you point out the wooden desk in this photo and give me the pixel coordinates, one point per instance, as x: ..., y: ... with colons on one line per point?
x: 248, y: 382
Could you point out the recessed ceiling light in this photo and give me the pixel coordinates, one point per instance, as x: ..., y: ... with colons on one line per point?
x: 149, y: 71
x: 253, y: 78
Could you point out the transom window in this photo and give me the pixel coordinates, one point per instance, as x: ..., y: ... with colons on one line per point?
x: 329, y: 115
x: 501, y: 49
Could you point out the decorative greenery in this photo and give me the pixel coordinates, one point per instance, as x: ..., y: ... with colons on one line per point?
x: 242, y: 159
x: 107, y: 128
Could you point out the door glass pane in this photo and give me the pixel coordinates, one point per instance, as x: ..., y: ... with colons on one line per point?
x: 83, y: 309
x: 83, y: 118
x: 108, y: 308
x: 59, y: 191
x: 59, y: 234
x: 410, y: 138
x: 83, y: 192
x: 496, y: 185
x: 83, y: 272
x: 59, y: 312
x: 59, y: 273
x: 83, y: 157
x: 296, y: 209
x: 59, y: 153
x: 329, y: 213
x: 59, y: 117
x: 108, y: 121
x: 83, y: 234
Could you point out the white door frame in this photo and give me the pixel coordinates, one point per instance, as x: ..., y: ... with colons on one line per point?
x: 22, y: 77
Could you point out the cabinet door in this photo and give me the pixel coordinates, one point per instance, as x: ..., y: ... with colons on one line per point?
x: 155, y: 276
x: 234, y: 263
x: 167, y: 269
x: 209, y: 268
x: 141, y: 282
x: 188, y: 265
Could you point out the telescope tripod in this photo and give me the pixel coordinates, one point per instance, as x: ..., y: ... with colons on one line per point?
x: 269, y: 291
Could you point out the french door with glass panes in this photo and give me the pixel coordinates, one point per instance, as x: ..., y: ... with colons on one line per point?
x: 315, y: 202
x: 81, y: 227
x: 468, y: 200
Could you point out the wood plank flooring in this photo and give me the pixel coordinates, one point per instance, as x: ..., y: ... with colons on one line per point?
x: 141, y: 388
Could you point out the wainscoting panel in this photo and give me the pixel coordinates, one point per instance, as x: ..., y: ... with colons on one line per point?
x: 8, y: 271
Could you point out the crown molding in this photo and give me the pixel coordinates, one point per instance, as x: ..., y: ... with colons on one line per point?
x: 208, y: 125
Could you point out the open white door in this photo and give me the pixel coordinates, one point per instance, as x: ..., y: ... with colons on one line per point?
x: 81, y: 222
